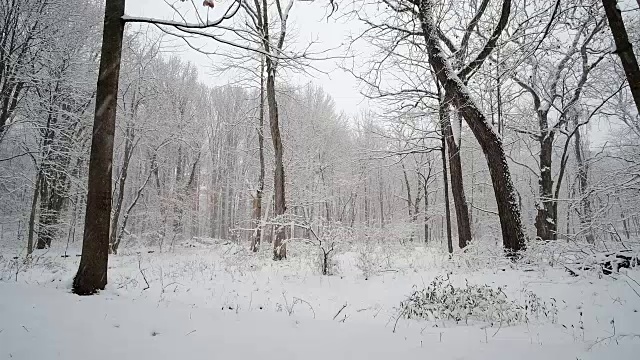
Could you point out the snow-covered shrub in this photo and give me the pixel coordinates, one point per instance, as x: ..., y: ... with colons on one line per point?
x: 11, y: 267
x: 479, y: 254
x: 579, y: 258
x: 328, y: 237
x: 441, y: 300
x: 374, y: 250
x: 367, y: 260
x: 400, y: 232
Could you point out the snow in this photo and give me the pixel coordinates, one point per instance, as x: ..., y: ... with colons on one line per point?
x: 213, y: 299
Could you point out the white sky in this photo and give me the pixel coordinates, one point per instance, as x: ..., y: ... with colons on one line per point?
x: 308, y: 20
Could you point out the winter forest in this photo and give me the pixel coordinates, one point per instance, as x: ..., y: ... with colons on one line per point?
x: 344, y: 179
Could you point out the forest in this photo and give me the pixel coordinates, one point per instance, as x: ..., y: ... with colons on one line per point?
x: 319, y: 178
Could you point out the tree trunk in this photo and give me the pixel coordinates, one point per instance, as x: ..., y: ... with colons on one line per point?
x: 381, y: 198
x: 546, y: 218
x: 179, y: 198
x: 409, y: 202
x: 32, y: 217
x: 457, y: 186
x: 426, y: 214
x: 443, y: 115
x: 122, y: 180
x: 257, y: 205
x: 279, y: 247
x: 408, y: 189
x: 583, y: 184
x: 456, y: 92
x: 92, y: 272
x: 624, y: 48
x: 47, y: 216
x: 127, y: 213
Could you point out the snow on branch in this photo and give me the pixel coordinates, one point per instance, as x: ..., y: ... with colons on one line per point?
x: 228, y: 14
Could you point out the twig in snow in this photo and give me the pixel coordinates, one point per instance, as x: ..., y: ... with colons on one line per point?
x: 632, y: 288
x: 339, y: 311
x: 306, y: 302
x: 189, y: 333
x: 142, y: 272
x: 398, y: 319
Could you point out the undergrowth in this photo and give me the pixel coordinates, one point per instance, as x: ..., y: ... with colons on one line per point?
x: 441, y: 300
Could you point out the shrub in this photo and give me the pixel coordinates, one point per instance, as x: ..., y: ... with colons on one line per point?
x: 441, y: 300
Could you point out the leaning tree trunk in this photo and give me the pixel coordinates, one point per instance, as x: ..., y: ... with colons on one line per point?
x: 120, y: 230
x: 457, y: 94
x: 624, y: 48
x: 546, y: 219
x: 92, y: 272
x: 279, y: 247
x: 457, y: 186
x: 122, y: 181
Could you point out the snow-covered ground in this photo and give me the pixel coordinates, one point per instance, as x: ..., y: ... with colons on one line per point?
x: 212, y: 299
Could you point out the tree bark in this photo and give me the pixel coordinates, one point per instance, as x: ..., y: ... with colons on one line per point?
x: 122, y: 180
x: 446, y: 191
x: 624, y: 48
x: 457, y: 186
x: 257, y: 205
x: 426, y: 214
x: 279, y: 247
x: 456, y: 93
x: 92, y: 272
x: 546, y: 217
x: 408, y: 189
x: 32, y: 216
x: 127, y: 213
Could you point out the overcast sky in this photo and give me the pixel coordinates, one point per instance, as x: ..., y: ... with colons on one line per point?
x: 309, y: 22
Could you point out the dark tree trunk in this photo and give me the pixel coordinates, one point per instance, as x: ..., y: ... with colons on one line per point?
x: 279, y: 247
x: 408, y: 190
x: 457, y: 186
x: 623, y: 48
x: 443, y: 114
x: 426, y: 214
x: 458, y: 95
x: 446, y: 196
x: 546, y: 218
x: 92, y: 272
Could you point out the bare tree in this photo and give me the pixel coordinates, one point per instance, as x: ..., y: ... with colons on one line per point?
x: 457, y: 94
x: 92, y: 271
